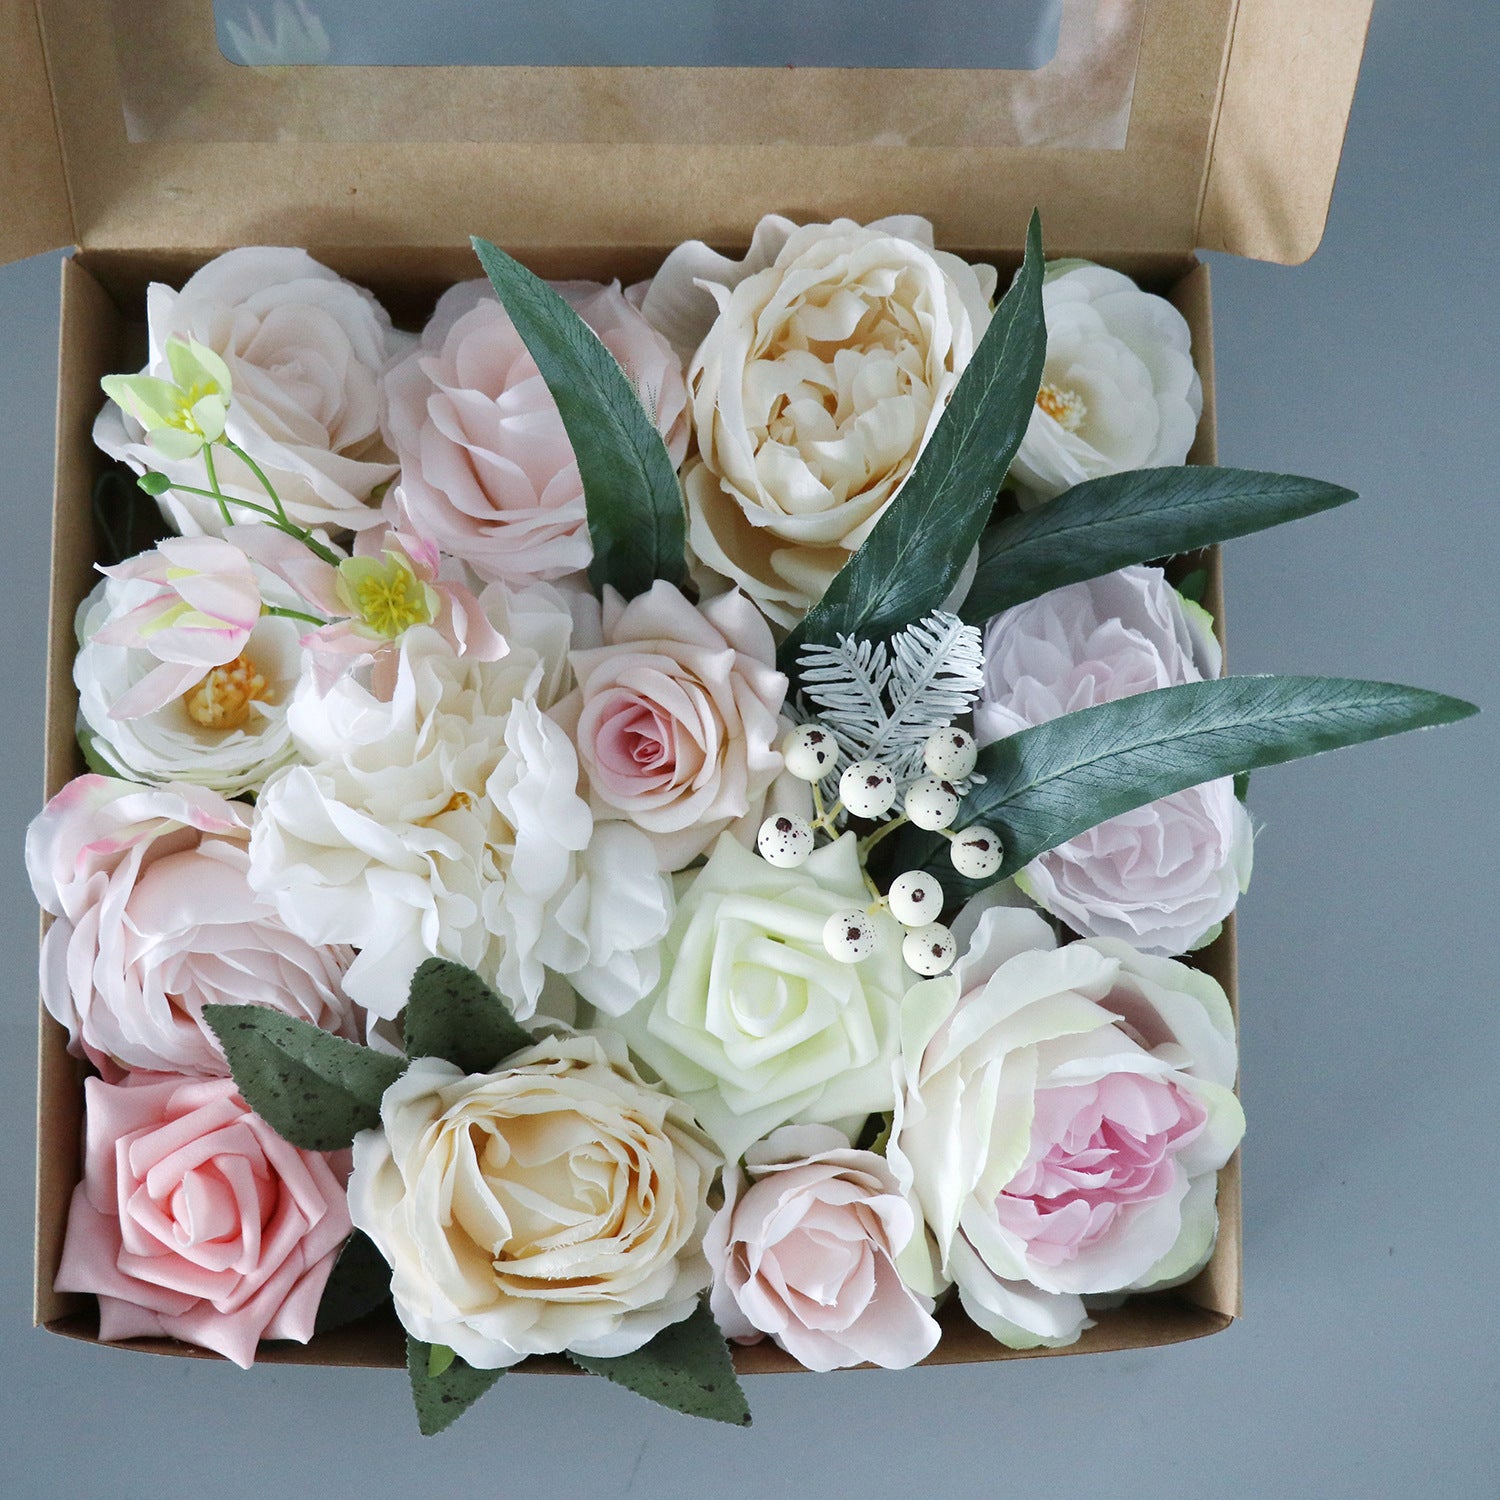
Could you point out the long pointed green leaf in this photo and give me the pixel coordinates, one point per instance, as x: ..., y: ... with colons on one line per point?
x: 453, y: 1014
x: 441, y: 1398
x: 635, y: 508
x: 1052, y: 782
x: 1128, y: 518
x: 912, y: 557
x: 359, y: 1283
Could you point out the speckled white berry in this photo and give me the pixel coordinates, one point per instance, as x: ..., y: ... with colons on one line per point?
x: 929, y: 950
x: 868, y: 789
x: 950, y: 753
x: 810, y: 751
x: 915, y: 898
x: 785, y: 840
x: 849, y: 936
x: 975, y: 852
x: 931, y: 804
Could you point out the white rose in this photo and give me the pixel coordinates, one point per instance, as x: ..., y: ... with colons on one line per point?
x: 558, y: 1203
x: 305, y: 349
x: 833, y: 354
x: 1119, y: 390
x: 1064, y: 1116
x: 229, y: 733
x: 753, y: 1024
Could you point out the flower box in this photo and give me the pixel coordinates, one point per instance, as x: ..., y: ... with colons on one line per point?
x: 1160, y: 125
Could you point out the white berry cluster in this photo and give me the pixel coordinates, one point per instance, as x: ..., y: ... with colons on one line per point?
x: 868, y: 790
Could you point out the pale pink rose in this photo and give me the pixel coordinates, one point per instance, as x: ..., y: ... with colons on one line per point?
x: 676, y: 718
x: 195, y: 1220
x: 486, y: 467
x: 1164, y: 876
x: 805, y: 1248
x: 156, y: 919
x: 207, y: 603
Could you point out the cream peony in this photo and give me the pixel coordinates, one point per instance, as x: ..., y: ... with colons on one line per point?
x: 486, y: 467
x: 1119, y: 390
x: 753, y: 1024
x: 555, y: 1204
x: 833, y: 353
x: 1164, y: 876
x: 305, y: 349
x: 1064, y: 1114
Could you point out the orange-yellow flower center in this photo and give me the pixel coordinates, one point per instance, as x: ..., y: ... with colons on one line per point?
x: 1066, y: 408
x: 222, y: 700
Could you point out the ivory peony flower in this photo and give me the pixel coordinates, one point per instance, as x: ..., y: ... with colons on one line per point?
x: 676, y: 718
x: 1166, y: 875
x: 833, y: 354
x: 304, y: 349
x: 156, y: 919
x: 805, y: 1247
x: 444, y: 820
x: 558, y: 1203
x: 1119, y: 390
x: 1064, y: 1114
x: 486, y: 467
x: 753, y: 1024
x: 196, y: 1220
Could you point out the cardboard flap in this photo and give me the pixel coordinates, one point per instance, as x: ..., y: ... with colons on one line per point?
x: 36, y: 215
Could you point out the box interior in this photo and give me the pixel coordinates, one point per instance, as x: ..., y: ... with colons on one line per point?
x: 102, y: 304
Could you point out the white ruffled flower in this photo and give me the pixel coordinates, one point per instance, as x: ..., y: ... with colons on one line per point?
x: 1119, y: 390
x: 447, y: 822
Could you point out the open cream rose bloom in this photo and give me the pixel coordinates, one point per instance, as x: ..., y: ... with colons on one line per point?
x: 833, y: 353
x: 558, y: 1203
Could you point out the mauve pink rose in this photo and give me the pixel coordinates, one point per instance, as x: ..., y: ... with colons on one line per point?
x: 805, y: 1248
x: 486, y: 467
x: 156, y: 919
x: 196, y: 1220
x: 676, y: 718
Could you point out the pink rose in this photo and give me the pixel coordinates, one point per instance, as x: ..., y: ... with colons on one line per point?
x: 156, y: 919
x: 805, y: 1248
x: 676, y: 718
x: 486, y: 467
x: 1164, y: 876
x: 196, y: 1220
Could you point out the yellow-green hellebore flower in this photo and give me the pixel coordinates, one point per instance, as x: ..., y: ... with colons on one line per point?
x: 183, y: 414
x: 384, y: 595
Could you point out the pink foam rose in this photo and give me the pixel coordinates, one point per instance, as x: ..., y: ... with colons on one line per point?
x: 676, y: 718
x: 805, y: 1248
x: 156, y: 919
x: 196, y: 1220
x: 486, y: 466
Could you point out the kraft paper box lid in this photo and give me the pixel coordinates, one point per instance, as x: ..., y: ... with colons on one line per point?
x: 1156, y: 127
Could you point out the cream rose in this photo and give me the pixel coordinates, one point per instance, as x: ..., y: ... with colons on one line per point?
x: 304, y: 349
x: 1064, y: 1115
x: 558, y: 1203
x: 753, y: 1024
x: 813, y: 390
x: 1119, y: 390
x: 676, y: 717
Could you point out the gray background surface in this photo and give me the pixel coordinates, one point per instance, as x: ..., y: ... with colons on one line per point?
x: 1366, y: 1362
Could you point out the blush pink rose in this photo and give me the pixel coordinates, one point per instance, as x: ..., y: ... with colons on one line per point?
x: 676, y: 718
x: 196, y: 1220
x: 805, y: 1248
x: 156, y: 919
x: 486, y: 467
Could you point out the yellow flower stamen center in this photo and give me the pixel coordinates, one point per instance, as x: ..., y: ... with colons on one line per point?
x: 183, y: 416
x: 391, y: 599
x: 224, y: 697
x: 1066, y: 408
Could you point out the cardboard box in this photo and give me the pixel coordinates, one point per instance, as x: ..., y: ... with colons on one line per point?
x: 134, y: 139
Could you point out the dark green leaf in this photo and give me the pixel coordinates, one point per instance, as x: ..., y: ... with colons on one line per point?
x: 452, y: 1013
x: 911, y: 560
x: 686, y: 1367
x: 1052, y: 782
x: 1242, y: 785
x: 635, y: 508
x: 442, y: 1398
x: 313, y: 1088
x: 359, y: 1283
x: 1194, y: 586
x: 1110, y: 523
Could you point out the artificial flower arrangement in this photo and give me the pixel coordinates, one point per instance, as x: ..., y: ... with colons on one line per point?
x: 604, y: 836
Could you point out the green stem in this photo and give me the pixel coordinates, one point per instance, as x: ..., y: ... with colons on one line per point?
x: 869, y: 842
x: 308, y: 540
x: 214, y: 491
x: 265, y: 483
x: 291, y: 614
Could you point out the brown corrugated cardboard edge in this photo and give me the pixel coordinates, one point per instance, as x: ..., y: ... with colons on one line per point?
x: 97, y: 338
x: 1236, y: 124
x: 33, y: 185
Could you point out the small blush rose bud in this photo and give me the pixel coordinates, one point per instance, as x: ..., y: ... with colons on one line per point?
x: 868, y: 789
x: 849, y: 936
x: 950, y: 754
x: 915, y: 898
x: 931, y: 804
x: 785, y: 840
x: 809, y: 752
x: 929, y: 950
x: 975, y: 852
